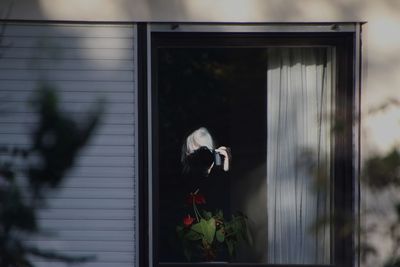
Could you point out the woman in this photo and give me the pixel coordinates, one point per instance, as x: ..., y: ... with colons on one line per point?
x: 205, y: 170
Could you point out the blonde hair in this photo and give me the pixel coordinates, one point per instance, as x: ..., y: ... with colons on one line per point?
x: 200, y: 137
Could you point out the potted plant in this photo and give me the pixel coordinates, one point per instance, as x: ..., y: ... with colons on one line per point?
x: 205, y: 235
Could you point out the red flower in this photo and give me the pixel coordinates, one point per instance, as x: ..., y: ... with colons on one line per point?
x: 187, y: 221
x: 196, y: 198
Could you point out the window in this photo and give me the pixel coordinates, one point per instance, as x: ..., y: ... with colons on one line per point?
x: 282, y: 103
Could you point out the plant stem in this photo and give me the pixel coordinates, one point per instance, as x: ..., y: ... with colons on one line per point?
x: 196, y: 211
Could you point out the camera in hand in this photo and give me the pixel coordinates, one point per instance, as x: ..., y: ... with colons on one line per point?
x: 217, y: 158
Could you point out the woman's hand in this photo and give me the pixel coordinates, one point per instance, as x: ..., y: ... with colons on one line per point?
x: 224, y: 151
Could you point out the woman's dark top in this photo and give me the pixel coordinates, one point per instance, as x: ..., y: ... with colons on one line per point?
x: 214, y: 186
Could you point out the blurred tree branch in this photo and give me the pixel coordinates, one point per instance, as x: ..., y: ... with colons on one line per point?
x: 28, y: 173
x: 56, y: 142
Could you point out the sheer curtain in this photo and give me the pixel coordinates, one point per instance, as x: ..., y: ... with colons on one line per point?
x: 299, y: 146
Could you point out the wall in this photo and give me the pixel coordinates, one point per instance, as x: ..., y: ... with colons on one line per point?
x: 381, y: 36
x: 94, y: 212
x: 380, y: 130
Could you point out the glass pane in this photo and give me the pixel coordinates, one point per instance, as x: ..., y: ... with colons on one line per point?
x: 244, y: 152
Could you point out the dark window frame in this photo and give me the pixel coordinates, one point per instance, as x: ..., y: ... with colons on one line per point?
x: 344, y: 180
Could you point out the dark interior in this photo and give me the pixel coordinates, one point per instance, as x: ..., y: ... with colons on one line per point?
x: 224, y: 90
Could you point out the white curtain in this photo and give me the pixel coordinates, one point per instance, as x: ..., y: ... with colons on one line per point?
x: 299, y: 146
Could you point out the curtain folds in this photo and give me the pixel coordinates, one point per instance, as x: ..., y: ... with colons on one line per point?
x: 299, y: 149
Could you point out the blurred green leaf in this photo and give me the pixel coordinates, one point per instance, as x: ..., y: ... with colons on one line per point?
x: 220, y: 235
x: 206, y: 214
x: 193, y: 235
x: 229, y: 244
x: 206, y: 228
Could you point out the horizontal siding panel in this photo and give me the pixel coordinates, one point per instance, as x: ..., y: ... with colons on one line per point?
x: 68, y: 30
x: 107, y: 256
x: 100, y: 140
x: 67, y: 75
x: 112, y: 151
x: 72, y: 214
x: 108, y: 151
x: 67, y: 64
x: 91, y: 204
x: 67, y: 42
x: 106, y: 119
x: 93, y: 193
x: 99, y: 225
x: 12, y: 128
x: 94, y: 210
x: 71, y: 86
x: 96, y: 161
x: 111, y: 119
x: 76, y: 97
x: 61, y: 54
x: 102, y: 171
x: 105, y: 161
x: 22, y: 139
x: 89, y: 246
x: 89, y: 235
x: 104, y: 256
x: 96, y: 182
x: 109, y: 108
x: 104, y: 149
x: 128, y: 129
x: 88, y: 264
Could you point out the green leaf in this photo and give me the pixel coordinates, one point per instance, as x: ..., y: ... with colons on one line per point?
x: 206, y: 214
x: 220, y: 235
x: 193, y: 235
x: 210, y: 230
x: 229, y: 244
x: 199, y: 227
x: 220, y: 214
x: 206, y: 228
x: 249, y: 236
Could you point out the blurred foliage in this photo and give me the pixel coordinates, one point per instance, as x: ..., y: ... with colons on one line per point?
x: 381, y: 172
x: 27, y: 174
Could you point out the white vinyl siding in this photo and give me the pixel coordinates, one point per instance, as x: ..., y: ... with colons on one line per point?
x: 94, y: 212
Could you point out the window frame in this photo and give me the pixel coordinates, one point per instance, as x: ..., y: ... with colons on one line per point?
x: 345, y: 147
